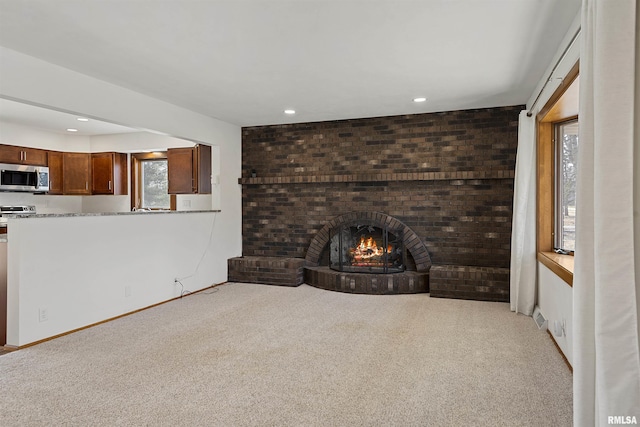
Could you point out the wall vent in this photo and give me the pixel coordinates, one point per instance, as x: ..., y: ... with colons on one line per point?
x: 539, y: 319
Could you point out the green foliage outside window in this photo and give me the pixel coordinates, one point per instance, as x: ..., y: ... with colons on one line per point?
x: 155, y: 184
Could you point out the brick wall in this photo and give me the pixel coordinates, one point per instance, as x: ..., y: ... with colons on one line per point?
x: 448, y: 176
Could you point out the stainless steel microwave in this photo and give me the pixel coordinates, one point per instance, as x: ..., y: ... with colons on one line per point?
x: 25, y: 178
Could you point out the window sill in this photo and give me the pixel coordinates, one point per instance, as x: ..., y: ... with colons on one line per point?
x: 561, y: 265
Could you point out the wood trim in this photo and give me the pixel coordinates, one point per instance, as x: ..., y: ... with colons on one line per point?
x: 553, y: 112
x: 561, y: 265
x: 567, y: 81
x: 135, y: 172
x: 14, y: 348
x: 560, y: 351
x: 545, y: 217
x: 134, y: 179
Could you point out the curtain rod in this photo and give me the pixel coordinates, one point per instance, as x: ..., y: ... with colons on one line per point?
x: 564, y: 53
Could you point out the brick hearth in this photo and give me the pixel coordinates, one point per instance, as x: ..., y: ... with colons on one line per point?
x: 409, y: 282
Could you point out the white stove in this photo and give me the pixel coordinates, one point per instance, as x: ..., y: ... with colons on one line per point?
x: 25, y: 210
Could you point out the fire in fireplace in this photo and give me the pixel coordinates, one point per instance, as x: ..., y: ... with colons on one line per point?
x: 363, y: 248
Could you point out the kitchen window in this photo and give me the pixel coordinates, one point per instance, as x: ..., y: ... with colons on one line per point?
x: 149, y: 181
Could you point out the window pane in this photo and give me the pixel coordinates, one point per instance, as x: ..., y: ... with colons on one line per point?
x: 567, y: 156
x: 155, y: 184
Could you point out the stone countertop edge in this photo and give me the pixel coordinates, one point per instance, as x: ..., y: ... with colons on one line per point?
x: 137, y: 213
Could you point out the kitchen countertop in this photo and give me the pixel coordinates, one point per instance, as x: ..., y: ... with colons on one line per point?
x: 67, y: 215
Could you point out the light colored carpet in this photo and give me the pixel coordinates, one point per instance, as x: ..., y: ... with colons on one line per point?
x: 275, y: 356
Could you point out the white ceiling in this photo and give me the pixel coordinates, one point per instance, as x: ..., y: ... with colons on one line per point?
x: 55, y: 121
x: 245, y: 61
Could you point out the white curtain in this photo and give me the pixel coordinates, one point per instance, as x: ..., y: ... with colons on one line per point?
x: 523, y: 230
x: 606, y: 348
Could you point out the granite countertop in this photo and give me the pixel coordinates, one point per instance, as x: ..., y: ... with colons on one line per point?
x: 138, y: 213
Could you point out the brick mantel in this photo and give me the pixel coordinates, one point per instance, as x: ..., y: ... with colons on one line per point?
x: 382, y: 177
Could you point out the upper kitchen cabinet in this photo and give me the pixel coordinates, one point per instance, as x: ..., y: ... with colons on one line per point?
x: 22, y: 155
x: 56, y: 172
x: 189, y: 170
x: 109, y: 173
x: 76, y: 173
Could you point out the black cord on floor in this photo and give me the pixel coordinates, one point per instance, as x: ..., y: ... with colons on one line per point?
x: 213, y: 289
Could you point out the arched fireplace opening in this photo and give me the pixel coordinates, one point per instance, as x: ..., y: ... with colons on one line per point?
x: 368, y: 252
x: 366, y: 248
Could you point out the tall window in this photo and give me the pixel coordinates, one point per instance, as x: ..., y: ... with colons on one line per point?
x: 566, y: 154
x: 557, y: 135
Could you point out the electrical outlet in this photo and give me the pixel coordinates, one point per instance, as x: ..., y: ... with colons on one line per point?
x: 127, y: 291
x: 186, y: 203
x: 43, y: 314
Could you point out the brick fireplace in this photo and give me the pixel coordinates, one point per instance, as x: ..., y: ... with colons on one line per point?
x: 411, y: 277
x: 447, y: 176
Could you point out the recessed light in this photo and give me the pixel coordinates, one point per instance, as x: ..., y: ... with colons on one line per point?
x: 82, y: 119
x: 72, y: 130
x: 421, y: 99
x: 289, y: 111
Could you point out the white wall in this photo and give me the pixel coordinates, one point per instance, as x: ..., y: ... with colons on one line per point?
x: 136, y: 142
x: 44, y: 204
x: 555, y: 299
x: 25, y: 136
x: 554, y: 296
x: 27, y: 79
x: 82, y: 270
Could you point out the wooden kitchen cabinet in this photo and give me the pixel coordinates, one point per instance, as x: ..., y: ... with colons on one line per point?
x: 56, y: 168
x: 22, y: 155
x: 109, y: 173
x: 189, y: 170
x: 76, y: 173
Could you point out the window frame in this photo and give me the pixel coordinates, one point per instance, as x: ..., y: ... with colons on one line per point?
x: 136, y: 162
x: 558, y: 183
x: 561, y: 107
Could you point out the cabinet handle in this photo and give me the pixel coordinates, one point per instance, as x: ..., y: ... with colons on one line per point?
x: 109, y: 185
x: 86, y: 185
x: 25, y: 156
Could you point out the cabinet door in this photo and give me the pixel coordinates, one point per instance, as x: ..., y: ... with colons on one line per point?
x: 189, y: 170
x: 102, y: 173
x: 34, y: 156
x: 109, y: 173
x: 55, y: 172
x: 10, y: 154
x: 76, y: 173
x: 181, y: 171
x: 22, y: 155
x: 204, y: 169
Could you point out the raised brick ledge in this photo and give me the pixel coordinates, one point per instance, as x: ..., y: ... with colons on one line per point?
x: 469, y: 282
x: 382, y: 177
x: 266, y: 270
x: 408, y: 282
